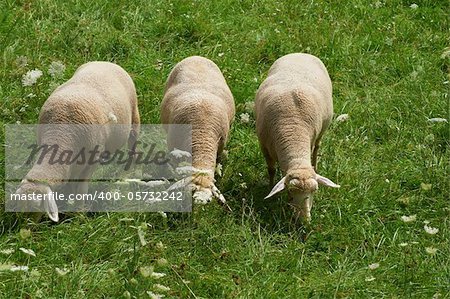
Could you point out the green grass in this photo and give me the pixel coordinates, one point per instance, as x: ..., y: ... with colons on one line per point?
x: 389, y: 75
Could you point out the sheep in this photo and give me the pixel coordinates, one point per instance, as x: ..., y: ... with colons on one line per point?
x: 197, y: 94
x: 99, y: 93
x: 293, y: 109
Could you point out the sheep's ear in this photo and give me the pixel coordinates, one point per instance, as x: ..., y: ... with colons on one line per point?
x: 183, y: 183
x: 325, y: 181
x: 277, y: 188
x: 50, y: 207
x: 217, y: 194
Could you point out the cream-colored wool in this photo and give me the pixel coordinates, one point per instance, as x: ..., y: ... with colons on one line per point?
x: 294, y: 107
x: 197, y: 94
x: 99, y: 93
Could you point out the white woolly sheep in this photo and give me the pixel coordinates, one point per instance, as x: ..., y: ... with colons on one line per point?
x: 99, y: 93
x: 294, y: 107
x: 197, y: 94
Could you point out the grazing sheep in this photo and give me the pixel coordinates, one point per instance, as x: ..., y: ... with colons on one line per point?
x: 294, y: 107
x: 197, y: 94
x: 99, y: 93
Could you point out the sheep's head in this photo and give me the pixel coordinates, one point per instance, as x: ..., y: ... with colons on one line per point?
x: 45, y: 203
x: 301, y: 184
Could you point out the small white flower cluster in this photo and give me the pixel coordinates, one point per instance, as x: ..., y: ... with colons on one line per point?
x: 31, y: 77
x: 244, y: 118
x: 342, y: 118
x: 409, y: 218
x: 7, y: 251
x: 62, y: 272
x: 430, y: 230
x: 56, y: 69
x: 249, y: 106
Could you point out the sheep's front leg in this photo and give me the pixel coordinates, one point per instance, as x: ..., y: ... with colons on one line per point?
x: 314, y: 155
x: 270, y: 165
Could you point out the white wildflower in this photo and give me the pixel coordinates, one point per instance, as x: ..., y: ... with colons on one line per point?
x: 35, y: 274
x: 202, y: 196
x: 180, y: 154
x: 425, y: 187
x: 219, y: 169
x: 19, y: 268
x: 389, y: 41
x: 7, y: 251
x: 446, y: 53
x: 430, y: 230
x: 163, y: 214
x: 162, y: 262
x: 21, y: 61
x: 154, y: 295
x: 374, y: 266
x: 31, y: 95
x: 56, y: 69
x: 414, y: 6
x: 133, y: 281
x: 245, y: 118
x: 342, y: 118
x: 27, y: 251
x: 437, y: 120
x: 160, y: 245
x: 378, y: 4
x: 436, y: 296
x: 62, y: 272
x: 220, y: 54
x: 141, y: 235
x: 403, y: 244
x: 31, y: 77
x: 431, y: 250
x: 409, y: 218
x: 250, y: 106
x: 243, y: 185
x: 370, y: 278
x: 157, y: 275
x: 160, y: 287
x: 146, y: 271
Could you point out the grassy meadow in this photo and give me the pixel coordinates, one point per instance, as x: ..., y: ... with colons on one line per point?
x: 389, y: 62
